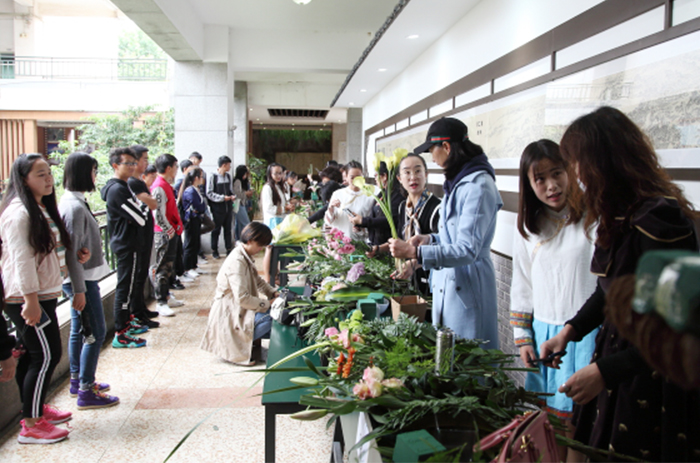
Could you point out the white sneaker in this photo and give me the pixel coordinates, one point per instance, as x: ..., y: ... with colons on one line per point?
x: 201, y: 272
x: 185, y: 279
x: 192, y: 273
x: 201, y: 261
x: 172, y: 302
x: 164, y: 310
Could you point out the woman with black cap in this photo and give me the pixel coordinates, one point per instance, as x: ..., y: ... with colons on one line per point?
x: 463, y: 279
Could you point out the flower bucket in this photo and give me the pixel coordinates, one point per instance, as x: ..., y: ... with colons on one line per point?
x: 411, y: 305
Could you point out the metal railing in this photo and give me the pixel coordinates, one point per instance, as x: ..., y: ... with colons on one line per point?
x: 82, y: 68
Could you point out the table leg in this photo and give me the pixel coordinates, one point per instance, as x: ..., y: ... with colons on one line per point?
x: 274, y: 262
x: 270, y: 416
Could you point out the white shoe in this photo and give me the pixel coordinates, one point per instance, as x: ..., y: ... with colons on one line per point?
x: 201, y: 272
x: 164, y: 310
x: 185, y: 279
x: 191, y: 274
x: 172, y: 302
x: 201, y: 261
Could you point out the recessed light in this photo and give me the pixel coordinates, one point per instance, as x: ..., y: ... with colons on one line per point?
x: 339, y: 120
x: 257, y: 119
x: 292, y: 124
x: 381, y: 69
x: 351, y: 104
x: 363, y: 90
x: 251, y: 109
x: 413, y: 36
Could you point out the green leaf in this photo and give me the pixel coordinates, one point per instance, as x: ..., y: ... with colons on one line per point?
x: 304, y: 381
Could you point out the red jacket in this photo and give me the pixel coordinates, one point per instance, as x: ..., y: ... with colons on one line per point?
x: 172, y: 215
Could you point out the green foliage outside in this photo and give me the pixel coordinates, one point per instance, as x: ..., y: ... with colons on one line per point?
x: 151, y: 64
x: 104, y: 132
x: 257, y: 168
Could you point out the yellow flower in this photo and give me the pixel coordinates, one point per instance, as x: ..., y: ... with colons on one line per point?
x: 359, y: 182
x: 378, y: 158
x: 394, y: 160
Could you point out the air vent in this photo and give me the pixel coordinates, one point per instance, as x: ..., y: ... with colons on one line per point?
x: 299, y: 113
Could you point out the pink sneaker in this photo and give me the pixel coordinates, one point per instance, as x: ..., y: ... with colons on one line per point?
x: 56, y: 416
x: 43, y: 432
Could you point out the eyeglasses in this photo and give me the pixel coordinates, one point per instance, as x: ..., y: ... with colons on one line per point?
x: 132, y: 164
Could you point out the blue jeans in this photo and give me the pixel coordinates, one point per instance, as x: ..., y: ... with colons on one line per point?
x: 263, y: 326
x: 83, y: 357
x: 242, y: 220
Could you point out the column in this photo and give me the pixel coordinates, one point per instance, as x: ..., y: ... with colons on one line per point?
x: 355, y: 139
x: 240, y: 120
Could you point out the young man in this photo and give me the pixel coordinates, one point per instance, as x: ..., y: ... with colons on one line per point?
x: 220, y: 195
x: 179, y: 265
x: 207, y: 222
x: 168, y: 227
x: 145, y: 239
x: 126, y: 215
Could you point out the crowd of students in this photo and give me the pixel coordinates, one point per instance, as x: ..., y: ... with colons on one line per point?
x: 50, y: 248
x: 588, y: 209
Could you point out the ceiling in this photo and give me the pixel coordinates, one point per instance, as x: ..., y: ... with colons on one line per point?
x: 299, y: 56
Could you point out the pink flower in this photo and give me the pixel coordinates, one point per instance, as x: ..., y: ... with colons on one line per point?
x: 361, y: 390
x: 357, y: 338
x: 337, y: 257
x: 338, y: 286
x: 334, y: 245
x: 343, y: 338
x: 392, y: 383
x: 355, y: 272
x: 373, y: 374
x: 347, y: 249
x: 332, y: 331
x: 375, y: 388
x: 346, y: 240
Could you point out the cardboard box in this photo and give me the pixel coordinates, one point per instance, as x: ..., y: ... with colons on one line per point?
x: 411, y: 305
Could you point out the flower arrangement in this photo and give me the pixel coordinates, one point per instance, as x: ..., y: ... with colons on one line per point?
x: 392, y: 163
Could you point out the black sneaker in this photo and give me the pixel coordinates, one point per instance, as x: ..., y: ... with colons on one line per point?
x: 149, y: 314
x: 215, y: 255
x: 177, y: 285
x: 147, y: 322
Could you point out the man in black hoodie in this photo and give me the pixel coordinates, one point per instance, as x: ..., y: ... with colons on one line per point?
x: 125, y: 215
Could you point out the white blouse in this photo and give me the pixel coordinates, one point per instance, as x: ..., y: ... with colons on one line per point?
x: 268, y: 207
x: 551, y: 274
x: 355, y: 201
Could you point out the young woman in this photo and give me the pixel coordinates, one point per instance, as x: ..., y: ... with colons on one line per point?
x: 290, y: 179
x: 242, y: 191
x: 378, y: 231
x: 194, y: 209
x: 238, y: 315
x: 349, y: 202
x: 418, y: 214
x: 624, y: 405
x: 34, y: 243
x: 551, y: 257
x: 83, y: 286
x: 274, y: 206
x: 464, y: 280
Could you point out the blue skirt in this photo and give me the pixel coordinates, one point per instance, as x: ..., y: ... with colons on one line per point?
x: 274, y: 222
x: 578, y: 355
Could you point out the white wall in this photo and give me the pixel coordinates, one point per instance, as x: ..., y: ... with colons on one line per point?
x: 490, y: 30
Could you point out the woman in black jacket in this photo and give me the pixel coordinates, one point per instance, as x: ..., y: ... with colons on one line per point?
x: 376, y: 223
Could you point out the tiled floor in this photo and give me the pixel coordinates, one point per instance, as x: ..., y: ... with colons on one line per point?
x: 165, y: 390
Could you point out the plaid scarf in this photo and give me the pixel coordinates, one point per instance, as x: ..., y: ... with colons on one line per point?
x: 412, y: 226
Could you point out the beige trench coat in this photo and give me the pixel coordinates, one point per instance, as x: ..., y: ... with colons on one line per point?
x: 231, y: 322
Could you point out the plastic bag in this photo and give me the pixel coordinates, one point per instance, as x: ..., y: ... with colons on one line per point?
x: 294, y: 229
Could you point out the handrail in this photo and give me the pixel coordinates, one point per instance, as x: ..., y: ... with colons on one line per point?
x: 83, y: 68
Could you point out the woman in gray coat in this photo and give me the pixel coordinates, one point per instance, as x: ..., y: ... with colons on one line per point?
x: 83, y: 285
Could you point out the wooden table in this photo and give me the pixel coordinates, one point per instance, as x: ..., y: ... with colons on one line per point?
x: 283, y: 342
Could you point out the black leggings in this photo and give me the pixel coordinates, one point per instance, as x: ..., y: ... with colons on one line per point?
x: 36, y: 366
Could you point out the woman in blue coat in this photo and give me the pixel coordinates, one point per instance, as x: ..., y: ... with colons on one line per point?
x: 463, y: 280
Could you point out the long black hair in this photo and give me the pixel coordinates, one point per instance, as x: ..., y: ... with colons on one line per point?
x: 276, y: 198
x: 41, y: 237
x: 240, y: 173
x: 529, y: 206
x: 461, y: 152
x: 193, y: 174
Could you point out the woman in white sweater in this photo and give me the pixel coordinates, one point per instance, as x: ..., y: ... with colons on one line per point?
x: 274, y: 206
x: 347, y: 202
x: 551, y: 277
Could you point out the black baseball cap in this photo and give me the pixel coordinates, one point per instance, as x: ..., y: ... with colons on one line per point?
x: 444, y: 129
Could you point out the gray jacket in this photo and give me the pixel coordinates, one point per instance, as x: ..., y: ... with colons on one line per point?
x: 84, y: 232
